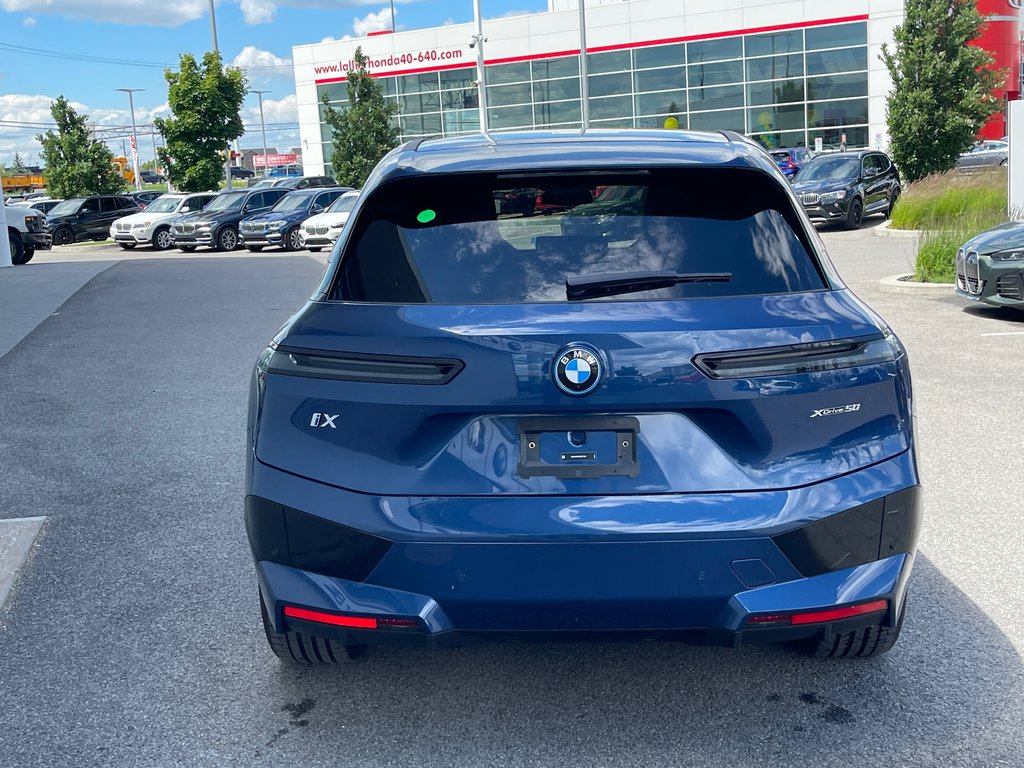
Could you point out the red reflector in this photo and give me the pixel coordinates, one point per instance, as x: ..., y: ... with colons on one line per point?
x: 769, y: 618
x: 330, y: 618
x: 398, y: 623
x: 834, y: 614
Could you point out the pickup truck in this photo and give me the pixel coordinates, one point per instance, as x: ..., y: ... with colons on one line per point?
x: 26, y: 232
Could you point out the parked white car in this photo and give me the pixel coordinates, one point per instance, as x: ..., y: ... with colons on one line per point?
x: 321, y: 231
x: 153, y: 225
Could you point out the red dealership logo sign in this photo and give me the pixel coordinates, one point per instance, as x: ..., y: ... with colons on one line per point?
x: 259, y: 161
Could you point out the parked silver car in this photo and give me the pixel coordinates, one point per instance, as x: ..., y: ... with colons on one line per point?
x: 984, y: 154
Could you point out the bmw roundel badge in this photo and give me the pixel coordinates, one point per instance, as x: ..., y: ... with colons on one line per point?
x: 577, y: 370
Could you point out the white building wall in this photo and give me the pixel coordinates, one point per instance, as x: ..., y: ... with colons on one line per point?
x: 615, y: 23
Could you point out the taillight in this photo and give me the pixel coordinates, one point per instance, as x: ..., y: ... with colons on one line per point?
x: 353, y: 366
x: 353, y: 622
x: 817, y: 616
x: 800, y: 358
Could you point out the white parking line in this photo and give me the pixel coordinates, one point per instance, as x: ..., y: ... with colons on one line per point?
x: 1005, y: 333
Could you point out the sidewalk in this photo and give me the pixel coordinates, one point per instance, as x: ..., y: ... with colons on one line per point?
x: 31, y: 293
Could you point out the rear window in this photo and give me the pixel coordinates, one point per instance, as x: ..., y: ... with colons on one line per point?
x: 501, y: 239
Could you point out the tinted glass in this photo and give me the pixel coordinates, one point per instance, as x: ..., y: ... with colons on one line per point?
x: 722, y: 97
x: 716, y: 74
x: 774, y: 43
x: 92, y: 205
x: 778, y: 92
x: 230, y: 201
x: 464, y: 252
x: 67, y: 207
x: 612, y: 107
x: 837, y: 86
x: 713, y: 50
x: 415, y: 83
x: 457, y: 78
x: 504, y: 95
x: 776, y: 118
x: 837, y: 113
x: 567, y: 66
x: 872, y: 165
x: 659, y: 56
x: 775, y: 67
x: 344, y: 204
x: 294, y: 202
x: 553, y: 113
x: 609, y: 85
x: 271, y: 196
x: 843, y: 60
x: 511, y: 117
x: 658, y: 103
x: 613, y: 61
x: 508, y: 73
x: 837, y: 36
x: 728, y: 120
x: 830, y: 168
x: 660, y: 79
x: 165, y: 205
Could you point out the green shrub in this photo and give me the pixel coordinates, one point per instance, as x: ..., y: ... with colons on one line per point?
x: 942, y: 200
x: 936, y: 255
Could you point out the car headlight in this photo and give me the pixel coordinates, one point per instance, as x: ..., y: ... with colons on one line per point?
x: 1015, y: 254
x: 339, y: 225
x: 276, y: 224
x: 833, y: 197
x: 141, y: 225
x: 205, y: 226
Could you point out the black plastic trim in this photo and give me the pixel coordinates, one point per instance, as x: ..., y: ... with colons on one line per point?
x: 720, y: 365
x: 371, y: 368
x: 866, y: 533
x: 287, y: 536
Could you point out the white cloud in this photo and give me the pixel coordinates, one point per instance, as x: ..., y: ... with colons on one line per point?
x: 262, y: 66
x: 330, y: 39
x: 372, y: 22
x: 132, y: 12
x: 28, y: 21
x: 258, y: 11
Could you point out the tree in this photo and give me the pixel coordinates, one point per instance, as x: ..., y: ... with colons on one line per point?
x: 206, y: 101
x: 365, y: 130
x: 76, y: 164
x: 942, y: 86
x: 18, y: 165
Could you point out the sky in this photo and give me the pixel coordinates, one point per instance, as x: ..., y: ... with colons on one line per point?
x: 86, y: 49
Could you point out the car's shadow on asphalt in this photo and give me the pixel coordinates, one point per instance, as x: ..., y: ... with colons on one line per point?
x: 1009, y: 314
x: 953, y: 675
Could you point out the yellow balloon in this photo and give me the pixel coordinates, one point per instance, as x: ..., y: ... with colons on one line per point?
x: 764, y: 119
x: 671, y: 123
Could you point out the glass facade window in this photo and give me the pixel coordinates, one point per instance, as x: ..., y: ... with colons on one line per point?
x: 553, y: 90
x: 661, y: 103
x: 566, y: 66
x: 714, y: 50
x: 612, y: 61
x: 773, y: 43
x: 784, y: 88
x: 775, y: 67
x: 716, y: 73
x: 659, y: 79
x: 659, y: 56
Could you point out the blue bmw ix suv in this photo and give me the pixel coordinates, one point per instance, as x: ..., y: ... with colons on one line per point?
x: 663, y: 420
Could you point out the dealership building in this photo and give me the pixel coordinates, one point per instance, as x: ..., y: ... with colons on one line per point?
x: 787, y: 72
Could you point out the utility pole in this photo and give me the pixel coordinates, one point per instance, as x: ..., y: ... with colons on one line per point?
x: 584, y: 89
x: 392, y: 16
x: 135, y: 140
x: 263, y: 131
x: 481, y: 76
x: 216, y: 49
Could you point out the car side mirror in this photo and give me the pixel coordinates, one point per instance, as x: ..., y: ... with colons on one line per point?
x: 317, y: 209
x: 185, y: 209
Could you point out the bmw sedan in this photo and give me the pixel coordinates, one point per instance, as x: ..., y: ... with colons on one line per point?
x: 481, y: 427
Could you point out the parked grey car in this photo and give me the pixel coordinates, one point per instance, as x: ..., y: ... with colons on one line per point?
x: 984, y: 154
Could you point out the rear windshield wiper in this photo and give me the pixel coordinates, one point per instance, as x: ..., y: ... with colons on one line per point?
x: 615, y: 283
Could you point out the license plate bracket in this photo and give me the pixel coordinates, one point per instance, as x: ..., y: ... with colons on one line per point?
x: 550, y: 447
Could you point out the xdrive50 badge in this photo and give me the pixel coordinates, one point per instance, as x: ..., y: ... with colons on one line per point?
x: 577, y: 370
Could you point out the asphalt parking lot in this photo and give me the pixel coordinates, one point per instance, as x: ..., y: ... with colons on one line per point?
x: 133, y: 636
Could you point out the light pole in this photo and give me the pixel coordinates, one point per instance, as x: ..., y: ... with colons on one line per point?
x: 478, y: 40
x: 216, y: 49
x: 263, y: 131
x: 392, y: 16
x: 584, y: 84
x: 5, y: 243
x: 135, y: 140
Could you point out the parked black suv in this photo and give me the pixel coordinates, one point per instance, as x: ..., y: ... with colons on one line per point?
x: 87, y: 218
x: 217, y: 224
x: 847, y: 186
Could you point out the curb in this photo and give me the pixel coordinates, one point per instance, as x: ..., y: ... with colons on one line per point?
x: 883, y: 230
x: 900, y: 284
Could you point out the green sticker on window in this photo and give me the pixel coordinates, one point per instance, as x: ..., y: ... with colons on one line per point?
x: 425, y: 217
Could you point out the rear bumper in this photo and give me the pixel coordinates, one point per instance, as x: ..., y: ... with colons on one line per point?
x: 691, y: 568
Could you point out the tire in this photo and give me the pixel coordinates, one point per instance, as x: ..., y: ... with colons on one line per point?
x: 227, y: 239
x: 855, y: 216
x: 291, y: 240
x: 255, y: 248
x: 162, y: 240
x: 860, y: 643
x: 29, y: 253
x: 892, y: 204
x: 127, y: 246
x: 63, y: 236
x: 298, y: 648
x: 187, y: 248
x: 1002, y: 163
x: 17, y: 248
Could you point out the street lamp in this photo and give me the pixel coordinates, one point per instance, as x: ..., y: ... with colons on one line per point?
x: 135, y: 141
x: 216, y: 49
x: 263, y: 130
